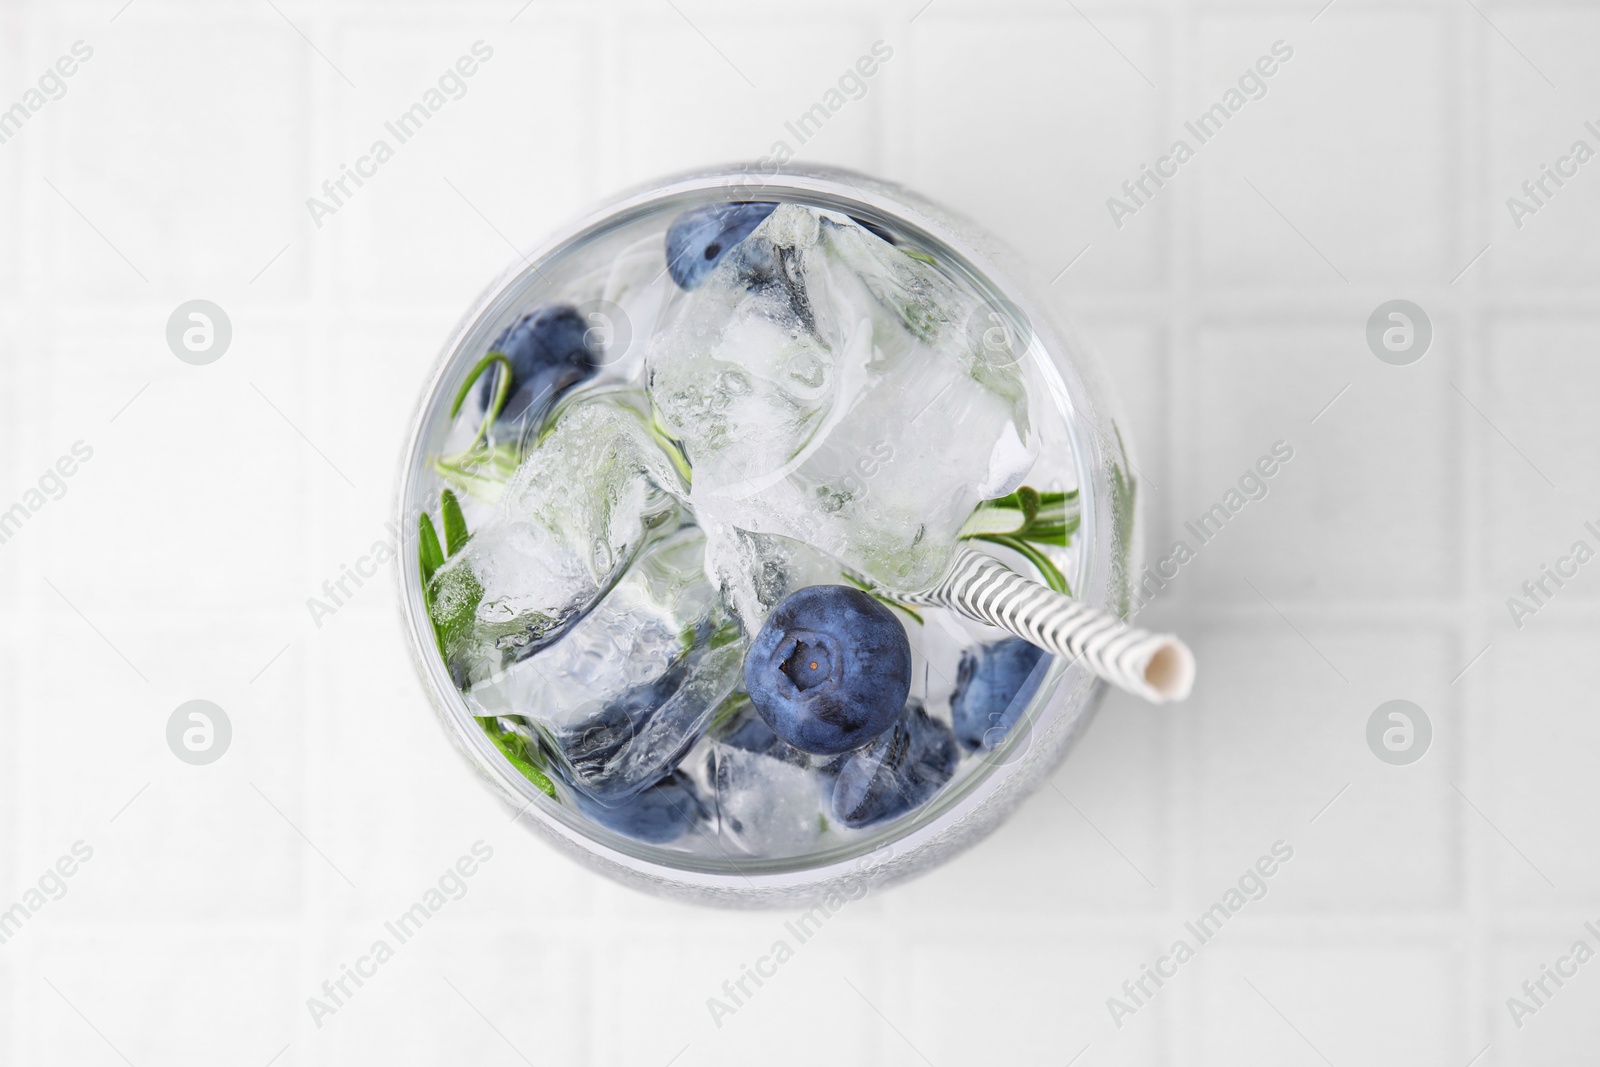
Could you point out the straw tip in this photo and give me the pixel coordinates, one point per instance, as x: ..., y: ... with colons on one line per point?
x: 1169, y: 673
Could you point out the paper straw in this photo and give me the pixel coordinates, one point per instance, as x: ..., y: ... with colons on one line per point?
x: 1157, y: 667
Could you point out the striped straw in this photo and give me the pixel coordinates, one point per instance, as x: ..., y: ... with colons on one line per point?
x: 1157, y: 667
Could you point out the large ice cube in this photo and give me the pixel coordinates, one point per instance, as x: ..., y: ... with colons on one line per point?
x: 756, y: 571
x: 768, y: 795
x: 826, y: 389
x: 627, y: 689
x: 582, y: 506
x: 765, y: 806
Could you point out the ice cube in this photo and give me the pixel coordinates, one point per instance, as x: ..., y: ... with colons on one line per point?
x: 825, y: 388
x: 758, y: 570
x: 623, y: 303
x: 768, y: 803
x: 628, y: 688
x: 582, y: 505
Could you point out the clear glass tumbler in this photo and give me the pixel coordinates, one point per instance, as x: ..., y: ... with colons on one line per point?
x: 1094, y: 458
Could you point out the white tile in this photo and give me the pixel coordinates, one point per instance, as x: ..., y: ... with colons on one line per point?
x: 17, y: 473
x: 758, y: 79
x: 1531, y: 126
x: 394, y: 799
x: 1092, y: 840
x: 14, y: 178
x: 1007, y: 140
x: 193, y: 498
x: 667, y: 988
x: 1018, y: 998
x: 1563, y: 1018
x: 10, y: 815
x: 513, y: 140
x: 1347, y: 147
x: 9, y: 1038
x: 201, y: 192
x: 200, y: 997
x: 1539, y: 798
x: 1281, y: 741
x: 364, y: 389
x: 1366, y: 507
x: 1391, y: 1004
x: 1537, y: 441
x: 171, y: 840
x: 506, y: 992
x: 1133, y: 353
x: 815, y: 983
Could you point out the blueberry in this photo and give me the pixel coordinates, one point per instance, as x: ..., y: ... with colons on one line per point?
x: 699, y: 238
x: 752, y: 734
x: 594, y: 745
x: 897, y: 772
x: 830, y: 670
x: 989, y: 695
x: 600, y: 750
x: 550, y: 352
x: 662, y: 813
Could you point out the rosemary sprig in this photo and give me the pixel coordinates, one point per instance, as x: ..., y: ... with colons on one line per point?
x: 430, y: 557
x: 672, y: 447
x: 1124, y: 494
x: 482, y: 473
x: 458, y: 589
x: 725, y: 712
x: 1043, y: 563
x: 523, y: 755
x: 455, y: 524
x: 1025, y: 519
x: 1043, y: 518
x: 429, y: 554
x: 502, y: 392
x: 465, y: 469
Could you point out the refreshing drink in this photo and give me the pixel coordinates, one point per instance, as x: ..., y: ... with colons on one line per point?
x: 676, y: 490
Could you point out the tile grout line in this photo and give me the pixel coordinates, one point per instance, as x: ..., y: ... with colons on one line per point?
x: 1467, y: 306
x: 326, y: 109
x: 1177, y: 37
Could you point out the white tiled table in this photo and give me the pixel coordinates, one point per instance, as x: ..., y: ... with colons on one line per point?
x: 1230, y: 311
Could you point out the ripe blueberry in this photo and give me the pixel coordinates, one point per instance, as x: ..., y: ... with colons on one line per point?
x: 989, y: 696
x: 550, y: 351
x: 899, y: 771
x: 830, y: 670
x: 664, y: 812
x: 699, y: 238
